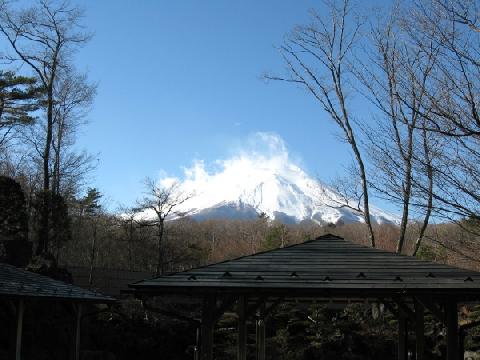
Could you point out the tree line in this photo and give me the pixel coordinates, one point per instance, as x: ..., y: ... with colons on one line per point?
x: 43, y: 101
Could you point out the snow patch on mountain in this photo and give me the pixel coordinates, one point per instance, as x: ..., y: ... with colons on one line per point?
x: 266, y: 180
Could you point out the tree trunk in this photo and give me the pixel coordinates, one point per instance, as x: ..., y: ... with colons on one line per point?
x: 56, y: 169
x: 406, y: 205
x: 130, y: 246
x: 44, y: 224
x: 407, y: 182
x: 363, y: 176
x: 161, y: 229
x: 361, y: 166
x: 426, y: 219
x: 366, y: 207
x: 92, y: 255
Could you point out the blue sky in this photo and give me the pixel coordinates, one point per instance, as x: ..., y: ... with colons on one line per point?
x: 180, y: 81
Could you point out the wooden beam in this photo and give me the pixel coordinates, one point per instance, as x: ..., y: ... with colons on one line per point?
x: 208, y: 322
x: 18, y: 342
x: 419, y: 330
x: 242, y: 329
x: 451, y: 313
x: 402, y: 335
x: 261, y: 332
x: 12, y: 327
x: 170, y: 313
x: 78, y: 330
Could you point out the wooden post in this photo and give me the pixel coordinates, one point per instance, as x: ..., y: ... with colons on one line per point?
x: 461, y: 344
x: 208, y: 322
x: 452, y: 330
x: 242, y: 329
x: 261, y: 333
x: 196, y: 349
x: 78, y: 331
x: 419, y: 331
x: 402, y: 335
x: 18, y: 342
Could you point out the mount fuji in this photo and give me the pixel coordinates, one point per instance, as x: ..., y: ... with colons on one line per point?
x: 263, y: 181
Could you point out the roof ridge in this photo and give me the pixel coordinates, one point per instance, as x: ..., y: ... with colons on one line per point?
x: 42, y: 280
x: 383, y: 251
x: 328, y: 235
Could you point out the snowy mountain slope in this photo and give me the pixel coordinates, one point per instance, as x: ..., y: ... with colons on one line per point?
x: 250, y: 183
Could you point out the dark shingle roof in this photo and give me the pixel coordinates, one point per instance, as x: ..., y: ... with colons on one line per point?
x: 327, y: 266
x: 107, y: 281
x: 16, y: 282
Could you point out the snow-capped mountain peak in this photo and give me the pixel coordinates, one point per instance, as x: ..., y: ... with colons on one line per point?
x: 269, y: 182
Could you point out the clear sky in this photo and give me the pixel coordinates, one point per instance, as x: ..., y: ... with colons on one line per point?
x: 181, y: 80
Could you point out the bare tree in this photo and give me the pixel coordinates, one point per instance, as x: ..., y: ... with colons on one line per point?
x: 453, y: 91
x: 344, y: 192
x: 317, y: 57
x: 43, y: 37
x: 426, y: 167
x: 447, y: 32
x: 424, y: 79
x: 73, y: 98
x: 395, y: 77
x: 127, y: 219
x: 91, y: 210
x: 160, y: 203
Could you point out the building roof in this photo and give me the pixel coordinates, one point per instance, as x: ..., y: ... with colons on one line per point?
x: 15, y: 283
x: 328, y: 266
x: 107, y: 281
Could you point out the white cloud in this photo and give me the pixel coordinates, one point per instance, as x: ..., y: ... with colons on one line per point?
x: 258, y: 157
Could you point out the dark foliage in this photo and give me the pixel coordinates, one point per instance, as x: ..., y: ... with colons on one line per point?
x: 15, y: 248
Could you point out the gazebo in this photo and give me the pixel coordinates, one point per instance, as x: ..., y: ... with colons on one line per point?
x: 19, y: 288
x: 327, y: 269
